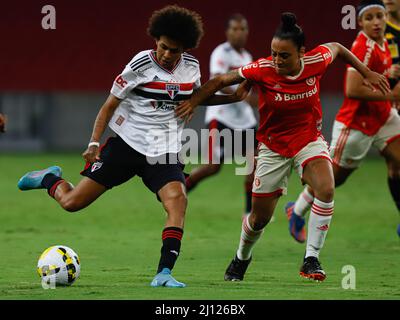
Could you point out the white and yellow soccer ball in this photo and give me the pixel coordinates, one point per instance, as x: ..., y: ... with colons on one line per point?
x: 59, y: 265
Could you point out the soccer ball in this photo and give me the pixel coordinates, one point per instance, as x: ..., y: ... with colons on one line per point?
x: 59, y: 265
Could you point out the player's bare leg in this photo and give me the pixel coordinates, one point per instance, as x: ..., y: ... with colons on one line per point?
x: 70, y: 198
x: 252, y: 228
x: 296, y: 211
x: 76, y: 198
x: 173, y: 198
x: 392, y: 156
x: 318, y: 174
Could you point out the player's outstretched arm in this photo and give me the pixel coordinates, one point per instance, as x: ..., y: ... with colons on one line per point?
x: 206, y: 91
x: 371, y: 78
x: 91, y: 154
x: 356, y: 89
x: 240, y: 94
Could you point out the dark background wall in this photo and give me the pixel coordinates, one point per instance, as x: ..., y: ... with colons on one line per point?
x: 53, y: 82
x: 93, y: 40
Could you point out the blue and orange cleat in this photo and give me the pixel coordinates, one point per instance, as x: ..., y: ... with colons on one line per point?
x: 165, y: 279
x: 33, y: 179
x: 297, y: 227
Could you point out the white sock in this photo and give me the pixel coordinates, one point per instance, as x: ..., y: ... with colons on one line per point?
x: 248, y: 239
x: 318, y: 225
x: 303, y: 203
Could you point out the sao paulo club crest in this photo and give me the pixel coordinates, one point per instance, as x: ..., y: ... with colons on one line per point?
x: 172, y: 89
x: 96, y: 166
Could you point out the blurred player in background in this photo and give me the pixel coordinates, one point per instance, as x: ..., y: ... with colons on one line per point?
x: 289, y: 134
x: 2, y: 123
x: 392, y: 35
x: 141, y: 111
x: 365, y: 119
x: 239, y: 116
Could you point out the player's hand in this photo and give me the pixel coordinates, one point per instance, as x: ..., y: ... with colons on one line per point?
x: 394, y: 71
x: 3, y: 120
x: 91, y: 154
x: 375, y: 79
x: 185, y: 111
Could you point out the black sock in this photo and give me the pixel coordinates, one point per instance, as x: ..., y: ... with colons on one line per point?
x: 49, y: 181
x: 394, y: 186
x: 171, y: 238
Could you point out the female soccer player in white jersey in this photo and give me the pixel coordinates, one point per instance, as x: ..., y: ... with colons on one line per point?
x: 289, y: 135
x: 140, y: 110
x: 365, y: 119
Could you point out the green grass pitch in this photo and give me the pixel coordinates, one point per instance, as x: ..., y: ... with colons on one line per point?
x: 118, y: 239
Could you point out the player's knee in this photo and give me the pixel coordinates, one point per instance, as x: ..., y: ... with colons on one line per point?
x: 175, y: 199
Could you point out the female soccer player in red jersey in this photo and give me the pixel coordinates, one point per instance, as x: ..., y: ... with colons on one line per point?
x: 289, y: 135
x: 365, y: 119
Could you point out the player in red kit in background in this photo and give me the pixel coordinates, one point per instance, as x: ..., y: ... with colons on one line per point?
x: 289, y: 135
x: 365, y: 119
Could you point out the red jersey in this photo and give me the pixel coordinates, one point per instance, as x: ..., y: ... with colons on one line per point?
x: 367, y: 116
x: 289, y: 106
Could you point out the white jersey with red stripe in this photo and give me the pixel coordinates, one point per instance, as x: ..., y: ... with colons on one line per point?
x: 237, y: 115
x: 145, y: 118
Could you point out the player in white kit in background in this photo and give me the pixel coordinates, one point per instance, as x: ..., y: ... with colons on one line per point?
x: 228, y: 56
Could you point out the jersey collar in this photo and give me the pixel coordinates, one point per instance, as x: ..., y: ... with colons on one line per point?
x: 154, y: 58
x: 300, y: 72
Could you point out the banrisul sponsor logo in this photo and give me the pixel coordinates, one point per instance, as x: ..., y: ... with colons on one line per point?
x: 299, y: 96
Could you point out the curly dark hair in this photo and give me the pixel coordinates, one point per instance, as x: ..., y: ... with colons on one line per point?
x: 177, y: 23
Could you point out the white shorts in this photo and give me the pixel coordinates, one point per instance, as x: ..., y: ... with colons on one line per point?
x: 350, y: 146
x: 273, y: 170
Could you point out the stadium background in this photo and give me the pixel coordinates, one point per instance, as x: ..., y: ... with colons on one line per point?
x: 53, y: 82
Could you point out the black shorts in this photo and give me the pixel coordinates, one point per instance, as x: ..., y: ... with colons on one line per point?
x: 216, y: 151
x: 119, y: 162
